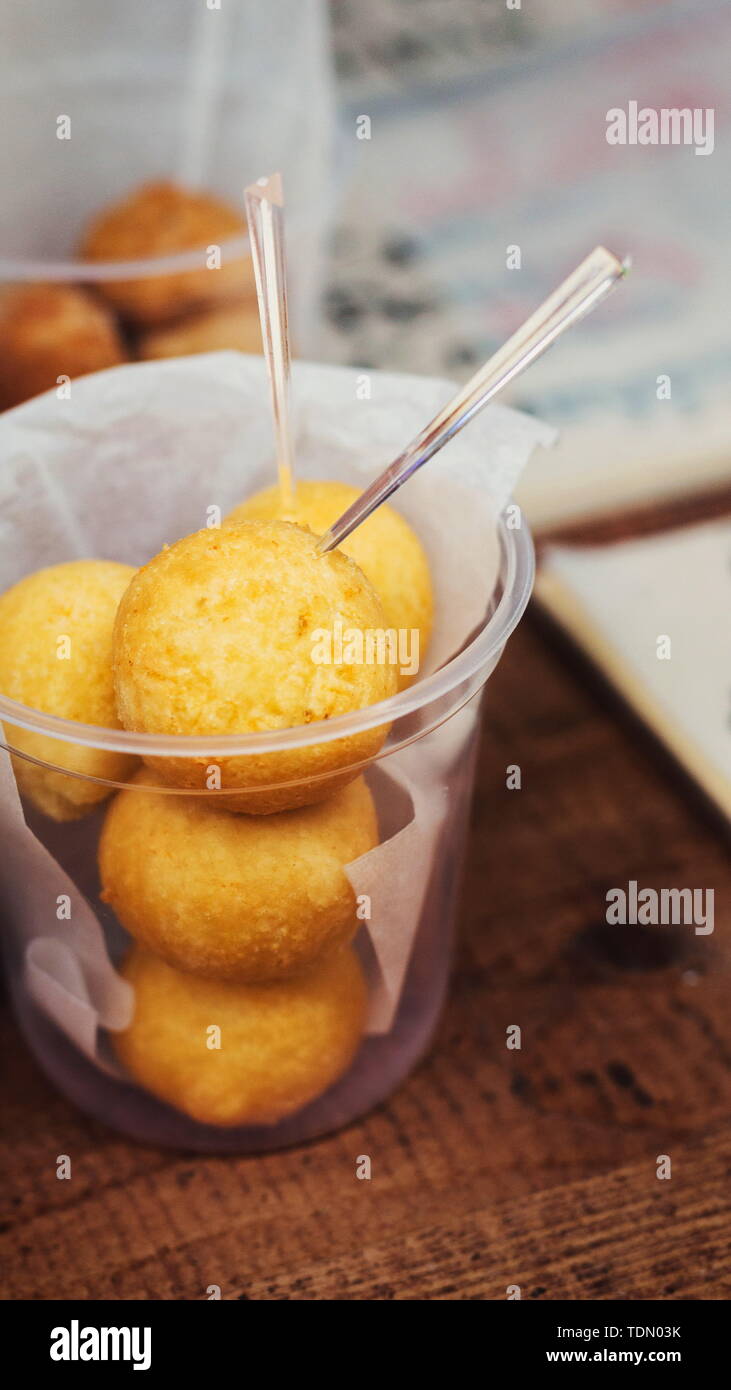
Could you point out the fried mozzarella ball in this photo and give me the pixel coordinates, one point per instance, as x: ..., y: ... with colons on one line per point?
x: 162, y: 219
x: 235, y: 327
x: 234, y: 631
x: 229, y: 1054
x: 242, y: 898
x: 50, y: 332
x: 56, y: 656
x: 385, y: 547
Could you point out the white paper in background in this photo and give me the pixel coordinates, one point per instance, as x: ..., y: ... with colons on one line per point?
x: 617, y: 600
x: 514, y: 153
x: 133, y: 460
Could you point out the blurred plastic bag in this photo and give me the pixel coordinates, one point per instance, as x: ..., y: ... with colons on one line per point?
x: 98, y: 98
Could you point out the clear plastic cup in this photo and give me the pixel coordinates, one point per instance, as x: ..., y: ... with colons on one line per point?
x: 424, y: 769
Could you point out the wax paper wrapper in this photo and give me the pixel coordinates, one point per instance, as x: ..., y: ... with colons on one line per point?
x: 135, y: 458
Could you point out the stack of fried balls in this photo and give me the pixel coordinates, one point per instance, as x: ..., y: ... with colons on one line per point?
x: 227, y: 872
x: 52, y: 333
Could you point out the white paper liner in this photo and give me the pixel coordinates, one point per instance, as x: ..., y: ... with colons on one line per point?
x: 401, y: 862
x: 67, y: 970
x: 134, y: 459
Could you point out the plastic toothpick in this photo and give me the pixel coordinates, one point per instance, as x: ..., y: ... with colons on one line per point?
x: 586, y: 287
x: 265, y: 215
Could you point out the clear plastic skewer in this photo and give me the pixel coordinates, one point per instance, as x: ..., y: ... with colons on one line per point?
x: 586, y: 287
x: 264, y: 202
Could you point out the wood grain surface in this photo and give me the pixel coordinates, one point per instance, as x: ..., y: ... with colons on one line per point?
x: 490, y: 1167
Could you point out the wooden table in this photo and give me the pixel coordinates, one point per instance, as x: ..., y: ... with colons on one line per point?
x: 490, y: 1167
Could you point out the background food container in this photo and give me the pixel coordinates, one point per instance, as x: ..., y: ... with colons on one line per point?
x: 96, y: 100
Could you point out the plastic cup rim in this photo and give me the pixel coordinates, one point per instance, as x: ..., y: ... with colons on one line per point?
x: 516, y: 572
x: 87, y: 272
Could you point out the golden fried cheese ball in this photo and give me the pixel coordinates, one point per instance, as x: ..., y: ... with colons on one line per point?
x: 56, y: 656
x: 222, y: 634
x: 385, y: 548
x: 51, y: 331
x: 162, y: 219
x: 281, y: 1045
x: 235, y: 327
x: 242, y: 898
